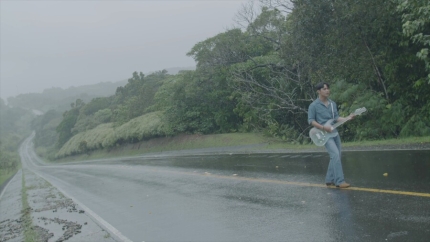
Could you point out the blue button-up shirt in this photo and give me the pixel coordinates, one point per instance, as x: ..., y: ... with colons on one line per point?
x: 321, y: 113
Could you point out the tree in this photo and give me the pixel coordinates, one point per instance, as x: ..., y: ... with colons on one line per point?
x: 221, y: 50
x: 416, y: 26
x: 64, y: 129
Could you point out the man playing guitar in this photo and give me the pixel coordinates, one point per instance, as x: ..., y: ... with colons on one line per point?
x: 320, y: 111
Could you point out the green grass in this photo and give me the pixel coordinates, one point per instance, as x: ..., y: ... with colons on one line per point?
x: 401, y: 141
x: 186, y: 142
x: 181, y: 142
x: 30, y: 234
x: 4, y: 174
x: 409, y: 140
x: 102, y: 141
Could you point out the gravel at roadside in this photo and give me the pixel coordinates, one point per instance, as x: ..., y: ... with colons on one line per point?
x: 54, y: 216
x: 11, y: 227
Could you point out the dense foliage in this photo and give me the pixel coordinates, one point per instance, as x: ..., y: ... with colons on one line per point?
x: 14, y: 127
x: 260, y: 77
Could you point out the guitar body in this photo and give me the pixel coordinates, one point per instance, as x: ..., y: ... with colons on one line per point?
x: 320, y: 137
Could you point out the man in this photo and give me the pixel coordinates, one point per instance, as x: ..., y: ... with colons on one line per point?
x: 320, y: 111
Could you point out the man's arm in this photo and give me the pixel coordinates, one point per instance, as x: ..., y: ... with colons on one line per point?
x: 341, y: 119
x: 322, y: 127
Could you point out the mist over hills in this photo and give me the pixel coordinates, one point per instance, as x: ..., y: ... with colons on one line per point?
x: 175, y: 70
x: 60, y: 99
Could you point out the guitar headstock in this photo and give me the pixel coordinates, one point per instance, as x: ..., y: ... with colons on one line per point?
x: 359, y: 111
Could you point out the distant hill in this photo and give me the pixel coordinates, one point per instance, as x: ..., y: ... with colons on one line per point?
x: 60, y: 99
x: 175, y: 70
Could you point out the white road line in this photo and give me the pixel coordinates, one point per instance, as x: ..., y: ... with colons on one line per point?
x: 111, y: 229
x: 5, y: 188
x: 92, y: 214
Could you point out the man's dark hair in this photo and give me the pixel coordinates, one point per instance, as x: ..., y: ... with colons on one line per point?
x: 321, y: 85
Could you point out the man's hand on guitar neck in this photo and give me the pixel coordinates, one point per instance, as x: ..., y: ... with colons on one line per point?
x: 344, y: 119
x: 351, y: 116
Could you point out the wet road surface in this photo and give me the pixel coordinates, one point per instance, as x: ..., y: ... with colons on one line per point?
x: 258, y: 197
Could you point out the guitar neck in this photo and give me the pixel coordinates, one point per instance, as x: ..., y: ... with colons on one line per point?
x: 340, y: 123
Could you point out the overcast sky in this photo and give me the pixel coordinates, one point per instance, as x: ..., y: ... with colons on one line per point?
x: 46, y: 44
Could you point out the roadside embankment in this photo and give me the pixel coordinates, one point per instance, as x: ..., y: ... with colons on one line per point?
x: 237, y: 143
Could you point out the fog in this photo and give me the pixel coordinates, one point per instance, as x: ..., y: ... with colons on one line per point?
x: 45, y: 44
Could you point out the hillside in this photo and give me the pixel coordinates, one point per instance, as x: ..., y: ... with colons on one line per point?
x: 60, y: 99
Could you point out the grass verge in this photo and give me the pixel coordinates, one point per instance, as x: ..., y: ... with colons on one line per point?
x: 367, y: 143
x: 180, y: 142
x: 5, y: 174
x: 189, y: 142
x: 409, y: 140
x: 30, y: 234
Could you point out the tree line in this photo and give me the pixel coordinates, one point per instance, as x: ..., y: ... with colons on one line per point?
x: 14, y: 128
x: 259, y: 76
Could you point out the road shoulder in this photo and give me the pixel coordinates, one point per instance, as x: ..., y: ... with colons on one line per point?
x: 11, y: 228
x: 54, y: 216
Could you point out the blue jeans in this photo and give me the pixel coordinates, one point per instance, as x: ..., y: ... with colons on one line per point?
x: 334, y: 171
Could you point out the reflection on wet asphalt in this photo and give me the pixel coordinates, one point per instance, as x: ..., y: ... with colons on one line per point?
x: 257, y: 197
x: 409, y: 171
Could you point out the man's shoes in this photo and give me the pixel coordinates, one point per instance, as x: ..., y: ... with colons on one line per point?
x: 343, y: 185
x: 329, y: 184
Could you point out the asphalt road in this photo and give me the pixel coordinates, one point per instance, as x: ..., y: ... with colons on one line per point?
x: 258, y: 197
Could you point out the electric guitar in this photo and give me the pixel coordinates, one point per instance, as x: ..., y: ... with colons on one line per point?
x: 320, y: 137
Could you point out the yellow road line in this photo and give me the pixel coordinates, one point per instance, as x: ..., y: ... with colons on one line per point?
x: 363, y: 189
x: 304, y: 184
x: 417, y: 194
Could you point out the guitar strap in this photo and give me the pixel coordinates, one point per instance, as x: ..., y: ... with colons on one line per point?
x: 332, y: 112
